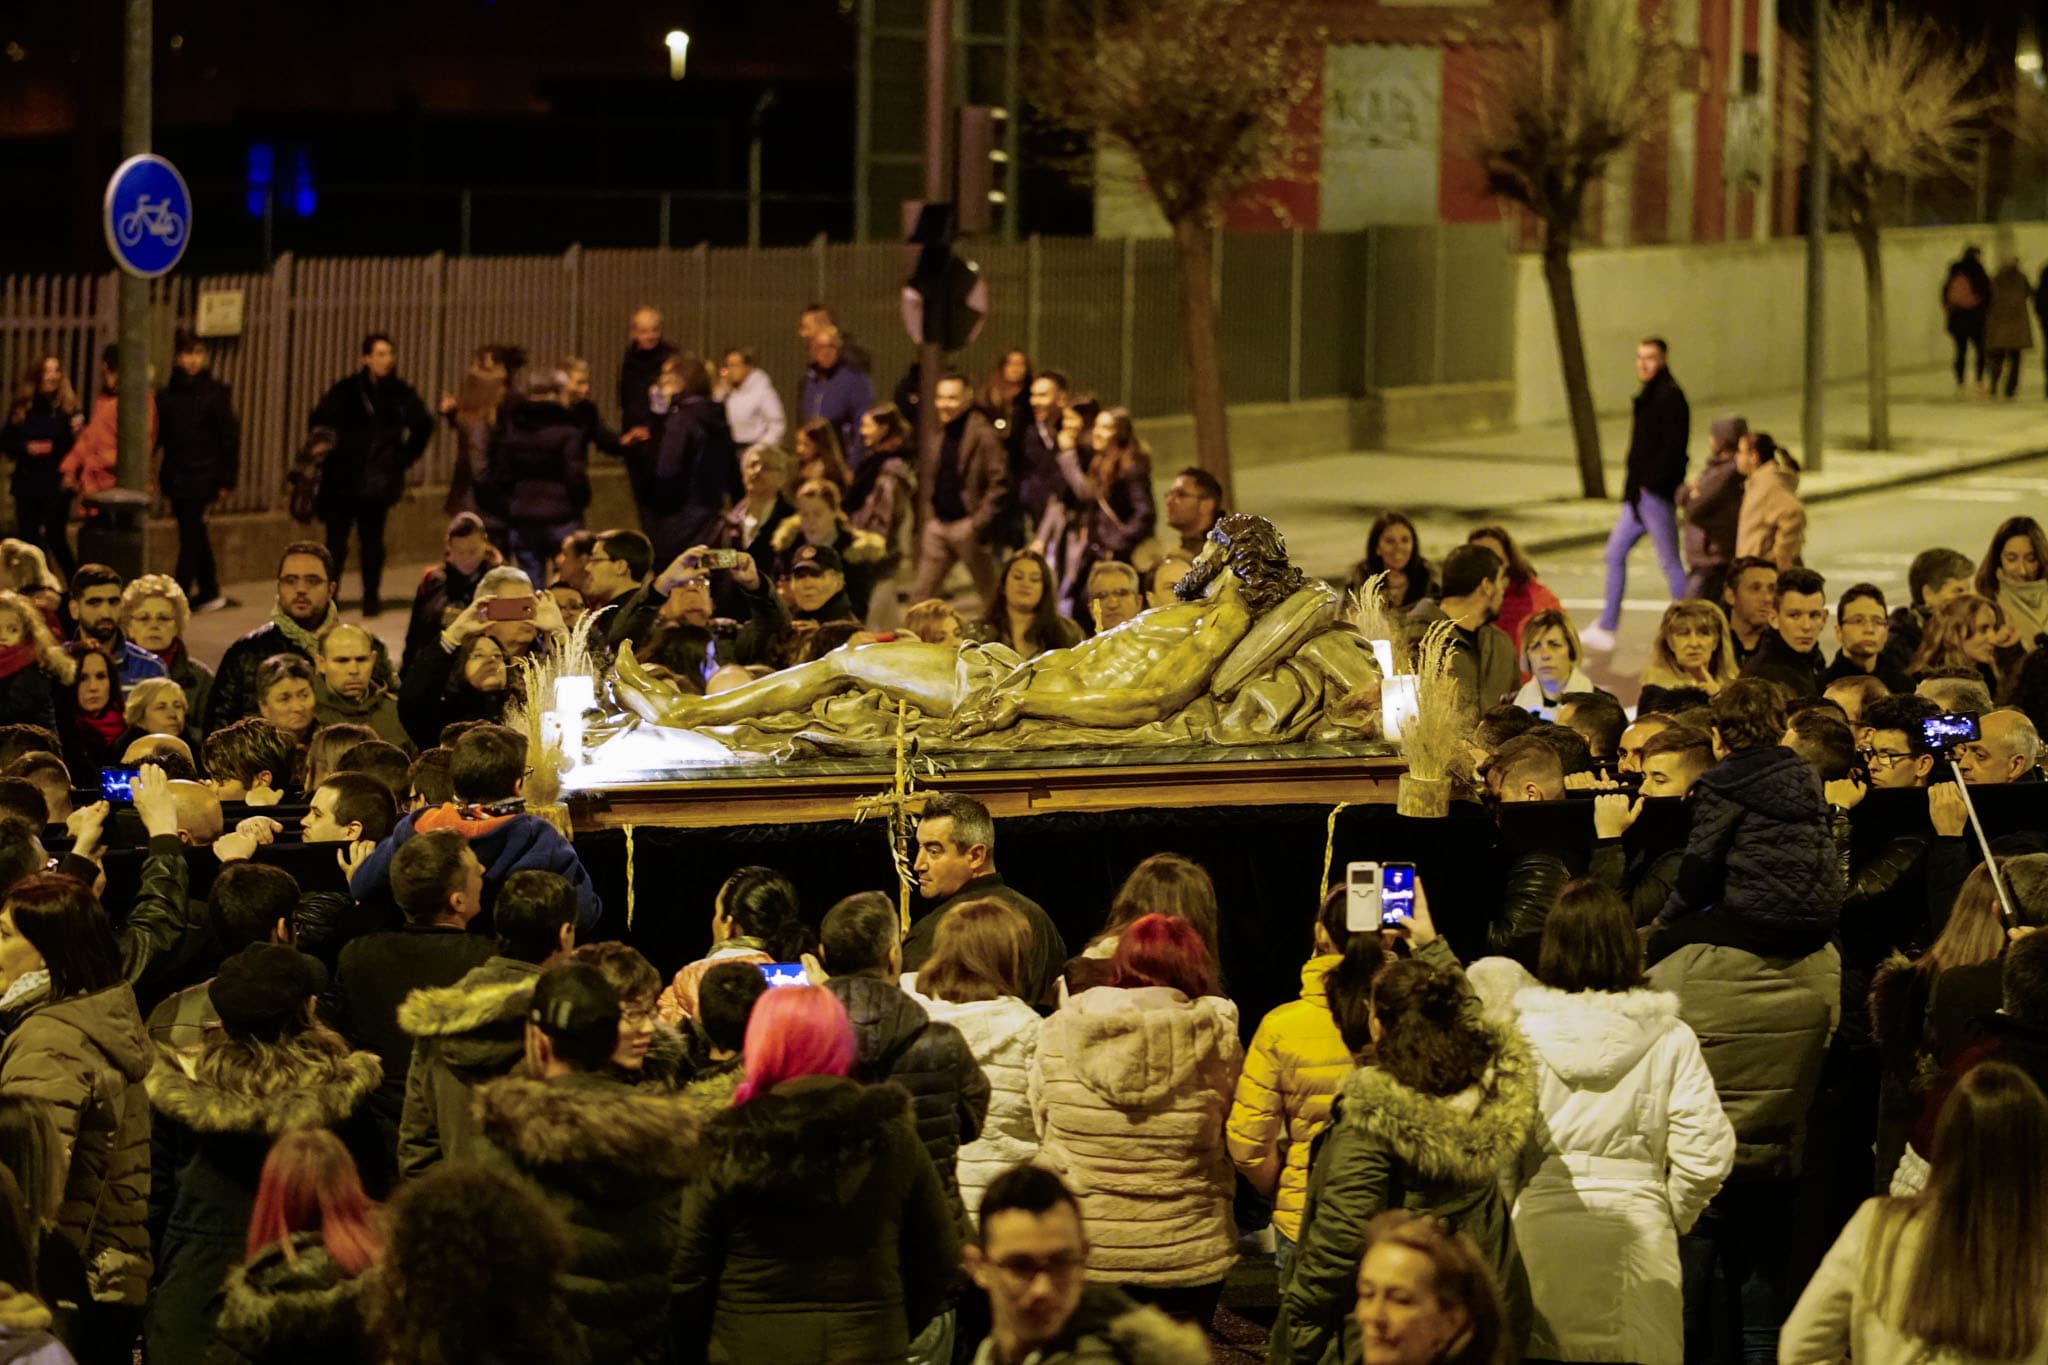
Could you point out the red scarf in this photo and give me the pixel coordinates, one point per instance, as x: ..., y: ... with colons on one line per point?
x: 107, y: 724
x: 14, y: 658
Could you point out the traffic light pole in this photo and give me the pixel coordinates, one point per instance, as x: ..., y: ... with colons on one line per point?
x: 938, y: 108
x: 132, y: 426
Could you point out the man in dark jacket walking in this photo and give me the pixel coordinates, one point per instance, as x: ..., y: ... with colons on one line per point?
x: 1966, y: 301
x: 963, y: 486
x: 381, y: 428
x: 1712, y: 504
x: 202, y: 444
x: 686, y: 478
x: 1656, y: 470
x: 861, y: 944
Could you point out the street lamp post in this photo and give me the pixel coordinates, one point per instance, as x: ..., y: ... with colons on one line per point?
x: 678, y: 44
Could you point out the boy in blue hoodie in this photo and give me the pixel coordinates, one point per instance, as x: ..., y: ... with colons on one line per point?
x: 487, y: 769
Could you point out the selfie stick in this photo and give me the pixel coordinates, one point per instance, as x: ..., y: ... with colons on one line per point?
x: 2005, y: 906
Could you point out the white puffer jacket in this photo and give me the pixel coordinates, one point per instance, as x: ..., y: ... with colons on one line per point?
x: 1630, y: 1145
x: 1130, y: 1089
x: 1003, y: 1036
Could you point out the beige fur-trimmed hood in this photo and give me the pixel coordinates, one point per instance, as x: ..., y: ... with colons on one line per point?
x: 590, y: 1124
x: 304, y: 1089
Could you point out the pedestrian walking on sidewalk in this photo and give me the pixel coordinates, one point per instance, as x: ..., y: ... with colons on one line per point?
x: 1712, y: 505
x: 1656, y: 469
x: 202, y: 446
x: 2007, y: 332
x: 1965, y: 297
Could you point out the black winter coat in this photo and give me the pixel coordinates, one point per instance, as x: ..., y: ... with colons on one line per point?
x: 26, y: 698
x: 37, y: 443
x: 377, y: 973
x: 1761, y: 856
x: 930, y: 1060
x: 433, y: 697
x: 200, y: 435
x: 1776, y: 661
x: 684, y: 481
x: 1048, y: 949
x: 613, y: 1159
x: 208, y: 1143
x: 638, y: 371
x: 305, y: 1311
x: 234, y: 682
x: 1657, y: 440
x: 536, y: 475
x: 818, y: 1231
x: 381, y: 428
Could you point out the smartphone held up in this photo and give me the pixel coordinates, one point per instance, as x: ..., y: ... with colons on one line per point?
x: 1378, y: 895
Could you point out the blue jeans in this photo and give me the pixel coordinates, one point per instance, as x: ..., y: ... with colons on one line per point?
x: 1652, y: 516
x: 1283, y: 1257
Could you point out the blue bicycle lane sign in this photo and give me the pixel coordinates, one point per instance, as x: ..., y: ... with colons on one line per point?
x: 147, y: 215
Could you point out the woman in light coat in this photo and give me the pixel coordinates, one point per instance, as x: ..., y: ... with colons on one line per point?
x: 1772, y: 524
x: 1129, y: 1090
x: 1957, y: 1273
x: 974, y: 980
x: 1630, y: 1146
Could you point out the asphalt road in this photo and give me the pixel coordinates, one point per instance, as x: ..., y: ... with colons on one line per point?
x: 1869, y: 538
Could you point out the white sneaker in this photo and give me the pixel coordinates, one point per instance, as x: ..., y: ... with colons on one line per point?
x: 1594, y: 638
x: 217, y: 602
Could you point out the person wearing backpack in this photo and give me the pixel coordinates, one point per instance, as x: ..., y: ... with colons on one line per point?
x: 1965, y: 298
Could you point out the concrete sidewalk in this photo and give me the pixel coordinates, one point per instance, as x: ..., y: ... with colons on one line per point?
x: 1528, y: 479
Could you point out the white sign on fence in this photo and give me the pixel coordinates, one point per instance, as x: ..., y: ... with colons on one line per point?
x: 219, y: 313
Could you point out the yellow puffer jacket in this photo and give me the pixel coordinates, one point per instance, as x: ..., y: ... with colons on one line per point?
x: 1291, y: 1071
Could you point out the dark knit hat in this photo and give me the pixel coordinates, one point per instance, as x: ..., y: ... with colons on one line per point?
x: 261, y: 992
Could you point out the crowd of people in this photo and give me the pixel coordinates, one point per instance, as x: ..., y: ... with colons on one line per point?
x: 311, y: 1045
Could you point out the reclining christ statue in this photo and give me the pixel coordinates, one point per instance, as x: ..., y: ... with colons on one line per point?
x: 1252, y: 653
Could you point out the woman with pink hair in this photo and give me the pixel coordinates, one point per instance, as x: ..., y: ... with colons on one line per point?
x: 820, y: 1230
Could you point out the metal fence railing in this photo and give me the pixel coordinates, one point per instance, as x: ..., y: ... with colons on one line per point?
x: 1305, y: 315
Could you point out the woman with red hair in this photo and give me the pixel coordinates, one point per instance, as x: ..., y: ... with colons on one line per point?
x: 311, y: 1236
x: 819, y: 1230
x: 1130, y: 1086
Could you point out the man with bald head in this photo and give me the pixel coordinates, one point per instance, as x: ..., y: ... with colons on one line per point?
x: 169, y: 752
x: 345, y: 687
x: 2007, y: 750
x: 640, y: 371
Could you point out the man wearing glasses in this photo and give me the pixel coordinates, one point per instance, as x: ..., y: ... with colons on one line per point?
x: 1896, y: 752
x: 1031, y: 1258
x: 615, y: 580
x: 1862, y: 629
x: 1113, y: 596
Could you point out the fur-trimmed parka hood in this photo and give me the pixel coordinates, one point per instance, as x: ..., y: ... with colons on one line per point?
x: 1467, y: 1137
x: 272, y: 1301
x: 588, y: 1129
x: 478, y: 1024
x: 302, y: 1085
x: 1592, y: 1039
x: 815, y: 1138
